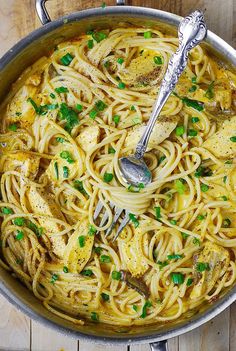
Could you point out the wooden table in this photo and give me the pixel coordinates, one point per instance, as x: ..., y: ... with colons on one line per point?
x: 18, y: 332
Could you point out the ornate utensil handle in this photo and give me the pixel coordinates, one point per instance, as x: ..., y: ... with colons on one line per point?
x: 43, y: 13
x: 192, y: 30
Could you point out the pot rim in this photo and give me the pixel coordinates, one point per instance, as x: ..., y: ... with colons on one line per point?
x: 139, y: 12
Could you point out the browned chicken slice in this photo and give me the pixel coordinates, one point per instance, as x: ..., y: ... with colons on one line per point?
x: 208, y: 267
x: 88, y: 138
x: 142, y: 70
x: 44, y: 204
x: 221, y: 143
x: 25, y: 163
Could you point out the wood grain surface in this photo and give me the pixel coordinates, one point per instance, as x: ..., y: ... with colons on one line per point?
x: 18, y: 332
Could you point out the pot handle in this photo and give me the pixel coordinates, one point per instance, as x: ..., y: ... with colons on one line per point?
x: 159, y: 346
x: 43, y: 13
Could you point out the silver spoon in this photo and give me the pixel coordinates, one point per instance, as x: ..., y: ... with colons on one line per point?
x: 192, y: 30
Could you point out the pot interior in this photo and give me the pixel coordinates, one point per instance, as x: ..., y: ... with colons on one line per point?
x: 26, y: 52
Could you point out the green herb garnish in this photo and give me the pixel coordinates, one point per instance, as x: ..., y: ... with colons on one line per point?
x: 210, y: 92
x: 94, y: 316
x: 92, y: 230
x: 192, y: 132
x: 121, y: 85
x: 233, y: 139
x: 189, y: 282
x: 68, y: 114
x: 134, y: 220
x: 158, y: 212
x: 54, y: 278
x: 174, y: 257
x: 147, y: 35
x: 66, y: 59
x: 99, y: 36
x: 116, y: 275
x: 19, y: 235
x: 61, y: 90
x: 195, y: 119
x: 66, y: 155
x: 105, y: 297
x: 120, y: 60
x: 111, y: 150
x: 107, y: 178
x: 179, y: 131
x: 6, y: 210
x: 65, y: 172
x: 81, y: 240
x: 87, y: 272
x: 158, y: 60
x: 204, y: 188
x: 90, y: 43
x: 19, y: 221
x: 145, y: 307
x: 201, y: 266
x: 65, y: 269
x: 13, y: 127
x: 226, y: 223
x: 177, y: 278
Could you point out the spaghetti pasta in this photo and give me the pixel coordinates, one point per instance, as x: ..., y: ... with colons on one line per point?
x: 68, y: 120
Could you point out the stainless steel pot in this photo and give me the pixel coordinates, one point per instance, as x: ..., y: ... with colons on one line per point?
x: 12, y: 64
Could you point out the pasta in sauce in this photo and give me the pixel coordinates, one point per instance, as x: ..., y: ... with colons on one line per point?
x: 70, y: 117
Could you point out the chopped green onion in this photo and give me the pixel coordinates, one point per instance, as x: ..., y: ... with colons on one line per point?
x: 200, y: 217
x: 105, y: 259
x: 193, y: 103
x: 135, y: 308
x: 60, y: 140
x: 66, y: 59
x: 161, y: 159
x: 203, y: 172
x: 226, y: 223
x: 106, y: 64
x: 94, y: 316
x: 233, y: 139
x: 174, y: 257
x: 111, y: 150
x: 92, y: 230
x: 90, y: 43
x: 66, y: 155
x: 162, y: 264
x: 19, y: 235
x: 116, y: 119
x: 195, y: 119
x: 87, y: 272
x: 6, y: 210
x: 93, y: 114
x: 209, y: 92
x: 189, y: 281
x: 193, y: 88
x: 61, y: 90
x: 180, y: 186
x: 121, y: 85
x: 177, y: 278
x: 98, y: 249
x: 134, y: 220
x: 196, y: 241
x: 100, y: 105
x: 78, y: 185
x: 116, y: 275
x: 228, y: 162
x: 65, y: 172
x: 204, y: 188
x: 18, y: 113
x: 120, y: 60
x: 105, y: 297
x: 201, y: 266
x: 192, y: 132
x: 194, y: 80
x: 132, y: 108
x: 53, y: 96
x: 69, y: 115
x: 179, y: 131
x: 13, y: 127
x: 147, y: 35
x: 225, y: 179
x: 79, y: 107
x: 158, y: 60
x: 19, y: 221
x: 224, y: 198
x: 99, y: 36
x: 65, y: 269
x: 54, y: 278
x: 81, y: 240
x: 107, y: 178
x: 145, y: 307
x: 37, y: 230
x: 158, y: 212
x: 173, y: 221
x: 184, y: 235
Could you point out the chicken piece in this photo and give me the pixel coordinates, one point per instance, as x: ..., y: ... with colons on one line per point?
x: 142, y: 70
x: 88, y: 138
x: 161, y: 131
x: 219, y: 143
x: 25, y: 163
x: 132, y: 254
x: 216, y: 260
x: 44, y: 204
x: 60, y: 169
x: 20, y: 110
x: 34, y: 79
x: 76, y: 255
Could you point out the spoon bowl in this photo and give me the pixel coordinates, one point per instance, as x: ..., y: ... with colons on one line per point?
x: 135, y: 171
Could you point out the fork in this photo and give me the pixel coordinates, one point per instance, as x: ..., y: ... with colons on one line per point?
x: 192, y: 31
x: 117, y: 214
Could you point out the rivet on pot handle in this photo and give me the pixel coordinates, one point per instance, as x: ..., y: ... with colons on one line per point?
x: 43, y: 13
x: 159, y: 346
